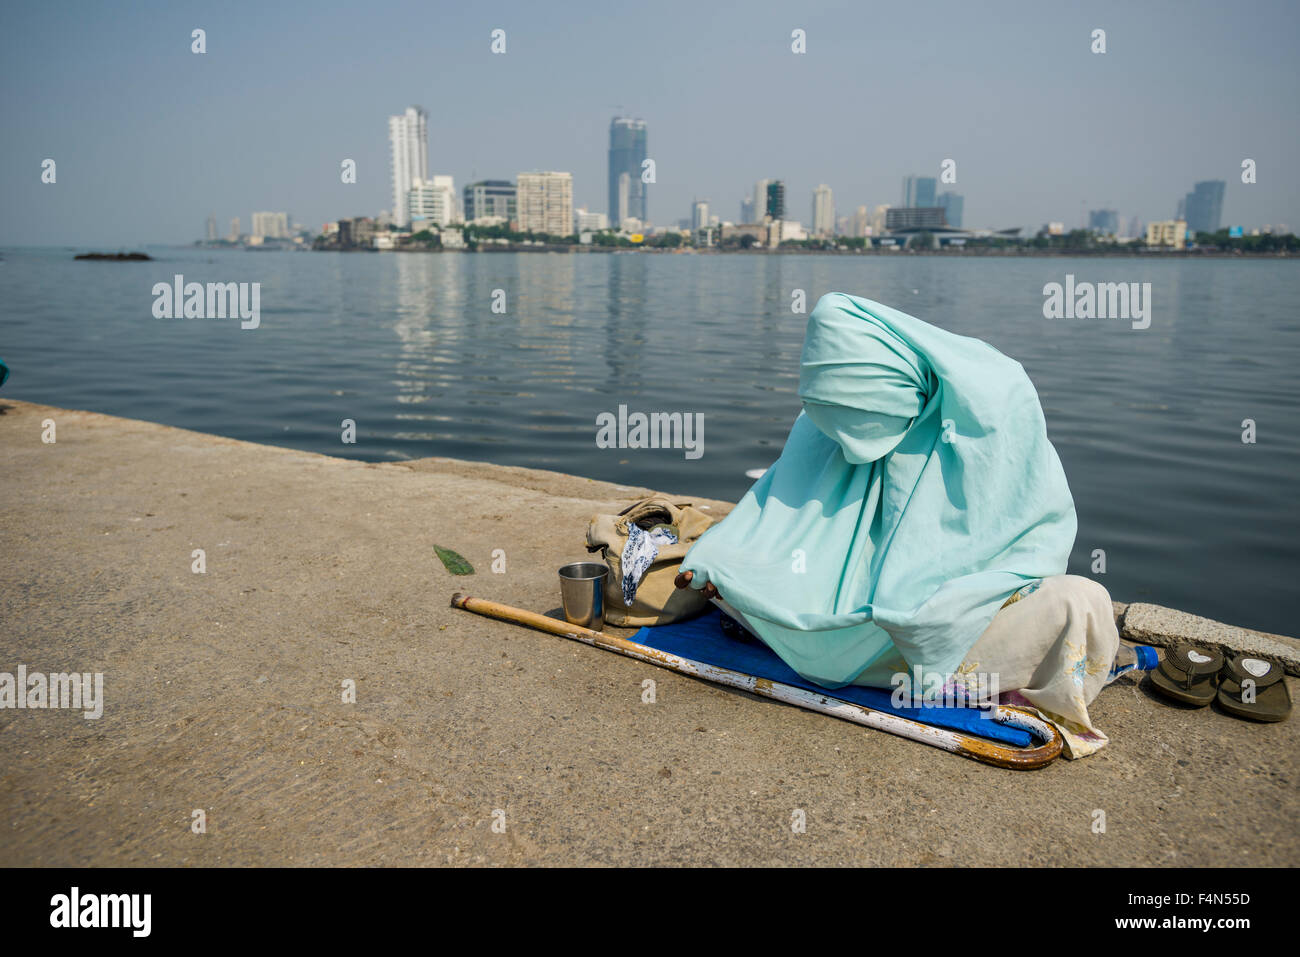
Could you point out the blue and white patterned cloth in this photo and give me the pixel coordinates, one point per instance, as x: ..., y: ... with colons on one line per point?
x: 639, y: 554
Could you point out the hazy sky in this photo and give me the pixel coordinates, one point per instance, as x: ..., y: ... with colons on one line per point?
x: 150, y: 138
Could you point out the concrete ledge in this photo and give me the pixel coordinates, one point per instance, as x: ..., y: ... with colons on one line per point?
x: 223, y: 692
x: 1157, y: 625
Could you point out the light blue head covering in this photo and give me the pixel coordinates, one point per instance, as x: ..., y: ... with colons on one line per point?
x: 915, y: 493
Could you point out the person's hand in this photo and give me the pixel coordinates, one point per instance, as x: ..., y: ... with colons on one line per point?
x: 684, y: 581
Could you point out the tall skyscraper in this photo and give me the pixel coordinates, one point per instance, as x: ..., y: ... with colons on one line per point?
x: 747, y: 210
x: 918, y: 191
x: 408, y: 145
x: 951, y: 204
x: 1203, y: 206
x: 699, y: 214
x: 545, y: 203
x: 760, y: 199
x: 234, y: 230
x: 823, y: 211
x: 490, y: 197
x: 627, y: 151
x: 776, y: 199
x: 212, y: 227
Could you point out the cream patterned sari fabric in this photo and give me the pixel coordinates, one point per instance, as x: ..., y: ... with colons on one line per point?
x: 1052, y: 649
x: 1049, y: 648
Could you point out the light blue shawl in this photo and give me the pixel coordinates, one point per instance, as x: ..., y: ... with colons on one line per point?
x: 915, y: 493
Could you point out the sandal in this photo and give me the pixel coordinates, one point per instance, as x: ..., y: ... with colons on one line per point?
x: 1254, y: 689
x: 1189, y: 675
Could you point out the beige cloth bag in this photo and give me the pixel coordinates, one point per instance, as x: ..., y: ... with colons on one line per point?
x: 658, y: 601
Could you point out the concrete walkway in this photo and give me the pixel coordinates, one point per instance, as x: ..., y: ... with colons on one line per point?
x: 223, y: 692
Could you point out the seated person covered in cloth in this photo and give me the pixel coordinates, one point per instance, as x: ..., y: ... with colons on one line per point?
x: 918, y: 518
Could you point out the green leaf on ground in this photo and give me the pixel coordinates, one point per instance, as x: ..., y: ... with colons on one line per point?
x: 454, y: 563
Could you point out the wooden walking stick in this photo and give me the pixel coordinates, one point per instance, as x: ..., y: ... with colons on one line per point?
x: 1046, y: 749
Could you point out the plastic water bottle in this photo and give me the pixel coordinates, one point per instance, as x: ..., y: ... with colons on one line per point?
x: 1133, y: 659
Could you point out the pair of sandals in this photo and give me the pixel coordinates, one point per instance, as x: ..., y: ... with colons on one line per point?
x: 1245, y: 687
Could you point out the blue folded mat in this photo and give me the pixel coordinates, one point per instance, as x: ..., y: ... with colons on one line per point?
x: 701, y: 639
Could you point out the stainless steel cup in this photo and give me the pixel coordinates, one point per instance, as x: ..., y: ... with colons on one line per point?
x: 582, y: 593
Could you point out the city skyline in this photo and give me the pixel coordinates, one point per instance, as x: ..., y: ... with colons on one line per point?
x: 494, y: 202
x: 1049, y: 133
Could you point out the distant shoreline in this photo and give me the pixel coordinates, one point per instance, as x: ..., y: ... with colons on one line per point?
x: 895, y: 252
x: 962, y: 252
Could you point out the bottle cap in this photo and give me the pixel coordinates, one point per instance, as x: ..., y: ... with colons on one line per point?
x: 1147, y: 657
